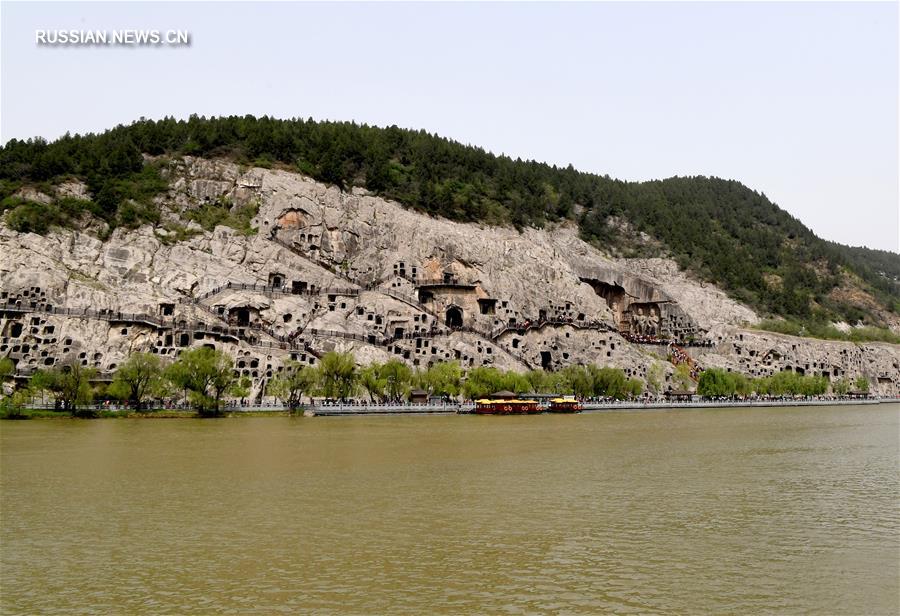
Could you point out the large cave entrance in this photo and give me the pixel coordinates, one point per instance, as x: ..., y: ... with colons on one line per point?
x: 454, y: 317
x: 243, y: 316
x: 239, y: 316
x: 613, y: 293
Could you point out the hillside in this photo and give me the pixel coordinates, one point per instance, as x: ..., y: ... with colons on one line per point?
x: 270, y: 266
x: 718, y: 230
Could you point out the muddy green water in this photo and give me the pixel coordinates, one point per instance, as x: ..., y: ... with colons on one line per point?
x: 729, y: 511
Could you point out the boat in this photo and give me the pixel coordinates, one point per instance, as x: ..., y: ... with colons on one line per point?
x: 507, y: 407
x: 564, y: 405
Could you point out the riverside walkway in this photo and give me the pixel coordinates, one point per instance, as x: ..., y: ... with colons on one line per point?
x: 466, y: 408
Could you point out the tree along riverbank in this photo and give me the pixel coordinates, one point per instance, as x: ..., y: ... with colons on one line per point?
x: 206, y: 380
x: 332, y: 410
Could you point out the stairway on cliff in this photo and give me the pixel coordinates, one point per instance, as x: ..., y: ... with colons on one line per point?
x: 679, y: 356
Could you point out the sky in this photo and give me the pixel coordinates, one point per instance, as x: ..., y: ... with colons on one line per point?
x: 796, y: 100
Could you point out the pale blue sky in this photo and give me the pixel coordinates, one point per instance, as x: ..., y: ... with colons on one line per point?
x: 799, y: 101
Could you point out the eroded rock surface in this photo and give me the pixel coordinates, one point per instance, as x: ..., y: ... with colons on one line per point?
x: 330, y: 270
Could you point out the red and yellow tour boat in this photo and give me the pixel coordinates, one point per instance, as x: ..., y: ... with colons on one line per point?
x: 564, y: 405
x: 507, y: 407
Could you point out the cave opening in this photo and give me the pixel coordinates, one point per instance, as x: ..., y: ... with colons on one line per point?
x: 546, y: 360
x: 242, y: 316
x: 454, y: 317
x: 487, y: 306
x: 612, y: 293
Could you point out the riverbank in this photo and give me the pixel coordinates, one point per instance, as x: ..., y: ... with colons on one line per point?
x: 150, y: 414
x: 736, y: 404
x: 469, y: 409
x: 349, y: 410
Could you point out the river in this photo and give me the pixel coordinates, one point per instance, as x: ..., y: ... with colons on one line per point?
x: 749, y: 510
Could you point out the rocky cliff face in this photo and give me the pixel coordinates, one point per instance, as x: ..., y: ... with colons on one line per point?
x: 330, y: 270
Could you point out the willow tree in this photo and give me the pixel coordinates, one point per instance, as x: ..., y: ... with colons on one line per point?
x: 206, y: 375
x: 841, y: 387
x: 7, y: 368
x: 482, y: 381
x: 137, y: 378
x: 397, y: 377
x: 656, y: 375
x: 441, y: 379
x: 338, y: 374
x: 293, y: 382
x: 371, y: 381
x: 70, y: 385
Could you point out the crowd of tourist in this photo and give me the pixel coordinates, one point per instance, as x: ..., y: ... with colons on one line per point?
x: 652, y: 339
x: 523, y: 326
x: 680, y: 357
x: 645, y: 339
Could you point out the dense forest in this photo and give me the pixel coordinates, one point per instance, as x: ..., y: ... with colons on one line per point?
x: 719, y: 229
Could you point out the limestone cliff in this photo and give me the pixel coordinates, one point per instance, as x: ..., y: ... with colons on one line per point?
x: 331, y: 270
